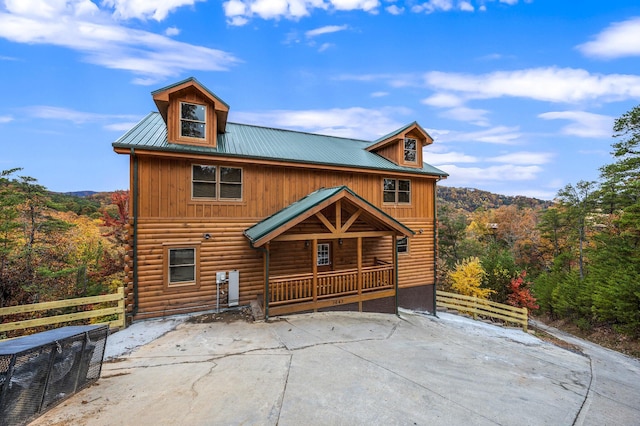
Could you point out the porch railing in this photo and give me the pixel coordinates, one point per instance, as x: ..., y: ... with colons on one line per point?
x: 299, y: 287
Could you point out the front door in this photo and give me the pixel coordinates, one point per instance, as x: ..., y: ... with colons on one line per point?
x: 324, y: 256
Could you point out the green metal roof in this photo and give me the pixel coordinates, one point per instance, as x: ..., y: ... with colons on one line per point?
x: 264, y: 143
x: 300, y: 207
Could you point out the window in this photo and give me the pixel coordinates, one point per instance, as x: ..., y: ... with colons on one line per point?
x: 230, y: 183
x: 324, y: 257
x: 182, y: 266
x: 193, y: 120
x: 396, y: 191
x: 410, y: 150
x: 402, y: 245
x: 216, y: 183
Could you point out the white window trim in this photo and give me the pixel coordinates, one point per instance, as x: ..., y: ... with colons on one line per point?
x: 328, y: 254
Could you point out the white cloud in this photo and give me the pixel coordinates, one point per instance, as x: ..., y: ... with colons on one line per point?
x: 145, y: 9
x: 448, y: 157
x: 464, y: 176
x: 550, y: 84
x: 359, y: 123
x: 618, y: 40
x: 433, y: 6
x: 500, y: 135
x: 152, y: 57
x: 74, y: 116
x: 379, y: 94
x: 172, y: 31
x: 524, y: 157
x: 51, y: 9
x: 325, y: 46
x: 120, y: 127
x: 239, y: 12
x: 466, y: 6
x: 445, y: 100
x: 544, y: 84
x: 584, y: 124
x: 5, y: 118
x: 325, y: 30
x: 395, y: 10
x: 468, y: 115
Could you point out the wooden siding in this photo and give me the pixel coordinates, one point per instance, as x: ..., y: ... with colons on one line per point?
x: 165, y: 190
x: 168, y: 215
x: 173, y: 116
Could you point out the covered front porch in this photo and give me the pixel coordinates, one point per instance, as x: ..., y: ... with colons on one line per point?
x: 330, y: 248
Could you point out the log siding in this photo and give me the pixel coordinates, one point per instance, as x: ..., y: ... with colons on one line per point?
x: 168, y: 216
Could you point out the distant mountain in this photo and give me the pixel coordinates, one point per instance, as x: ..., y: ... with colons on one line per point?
x: 81, y: 194
x: 470, y: 199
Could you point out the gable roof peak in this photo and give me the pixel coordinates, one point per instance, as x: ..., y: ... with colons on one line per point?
x: 162, y: 96
x: 396, y: 134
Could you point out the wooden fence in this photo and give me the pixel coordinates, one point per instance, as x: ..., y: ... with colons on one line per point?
x: 484, y: 308
x: 118, y: 310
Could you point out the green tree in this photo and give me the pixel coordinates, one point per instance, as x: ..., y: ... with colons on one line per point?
x: 578, y: 202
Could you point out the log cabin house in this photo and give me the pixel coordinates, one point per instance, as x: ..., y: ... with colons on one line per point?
x: 224, y: 213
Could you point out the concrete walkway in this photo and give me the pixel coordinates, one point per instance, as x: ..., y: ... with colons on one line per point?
x: 614, y: 389
x: 353, y: 369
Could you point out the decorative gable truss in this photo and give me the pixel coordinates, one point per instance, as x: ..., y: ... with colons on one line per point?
x: 403, y: 146
x: 193, y: 115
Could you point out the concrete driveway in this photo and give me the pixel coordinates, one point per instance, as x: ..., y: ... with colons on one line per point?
x: 355, y: 369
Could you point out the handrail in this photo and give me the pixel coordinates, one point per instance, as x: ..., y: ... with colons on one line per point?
x: 66, y: 303
x: 487, y: 308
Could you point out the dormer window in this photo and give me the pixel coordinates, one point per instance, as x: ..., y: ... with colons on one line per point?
x: 193, y: 120
x: 410, y: 150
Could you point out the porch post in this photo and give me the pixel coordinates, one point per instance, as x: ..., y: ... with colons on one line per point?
x: 314, y: 265
x: 265, y: 258
x: 360, y: 273
x: 394, y: 246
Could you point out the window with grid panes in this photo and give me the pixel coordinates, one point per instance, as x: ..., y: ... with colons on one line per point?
x: 396, y: 191
x: 193, y: 120
x: 216, y: 183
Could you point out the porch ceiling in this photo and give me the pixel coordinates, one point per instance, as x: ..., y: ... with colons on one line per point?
x: 313, y: 204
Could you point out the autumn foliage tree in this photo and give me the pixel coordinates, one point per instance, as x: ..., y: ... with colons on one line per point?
x: 467, y: 277
x: 519, y: 294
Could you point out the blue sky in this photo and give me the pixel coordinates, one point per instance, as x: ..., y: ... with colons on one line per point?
x: 520, y: 96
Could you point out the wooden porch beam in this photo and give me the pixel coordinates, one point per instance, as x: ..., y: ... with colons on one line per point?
x: 325, y: 222
x: 324, y: 236
x: 339, y: 216
x: 351, y: 220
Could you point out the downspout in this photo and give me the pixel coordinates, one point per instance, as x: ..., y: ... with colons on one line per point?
x: 435, y: 244
x: 135, y: 232
x: 266, y: 283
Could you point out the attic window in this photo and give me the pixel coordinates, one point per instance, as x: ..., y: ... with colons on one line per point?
x: 192, y: 120
x: 410, y: 150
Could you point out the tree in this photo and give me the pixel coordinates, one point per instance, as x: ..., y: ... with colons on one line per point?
x: 519, y: 294
x: 578, y: 202
x: 9, y: 224
x: 451, y: 234
x: 467, y: 279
